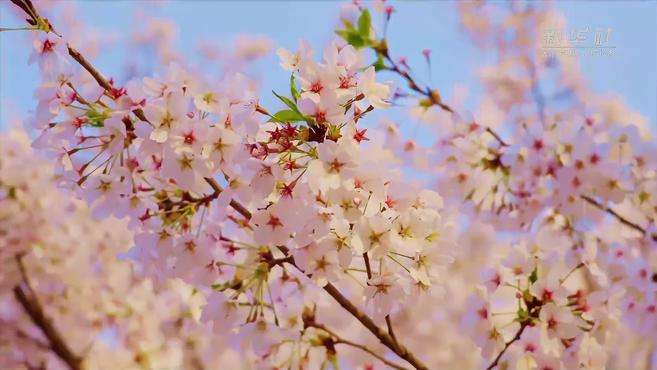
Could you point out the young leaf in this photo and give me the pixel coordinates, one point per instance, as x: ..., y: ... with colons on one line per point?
x: 343, y: 33
x: 533, y: 277
x: 287, y: 115
x: 293, y: 89
x: 379, y: 64
x: 365, y: 24
x: 353, y: 38
x: 287, y: 102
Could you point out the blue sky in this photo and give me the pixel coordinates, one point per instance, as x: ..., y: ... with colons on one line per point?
x: 631, y: 72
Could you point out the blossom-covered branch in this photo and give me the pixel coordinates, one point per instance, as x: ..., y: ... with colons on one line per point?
x: 240, y: 227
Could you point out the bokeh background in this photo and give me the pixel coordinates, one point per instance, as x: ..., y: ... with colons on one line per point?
x: 631, y: 72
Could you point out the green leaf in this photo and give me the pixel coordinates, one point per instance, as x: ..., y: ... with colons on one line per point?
x: 344, y: 33
x: 353, y: 38
x: 293, y: 89
x: 533, y: 277
x: 365, y: 24
x: 360, y: 37
x: 287, y: 102
x: 357, y: 41
x: 287, y: 115
x: 379, y: 64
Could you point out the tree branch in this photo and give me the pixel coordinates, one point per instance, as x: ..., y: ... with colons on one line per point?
x: 100, y: 79
x: 233, y: 203
x: 34, y: 310
x: 618, y: 216
x: 28, y: 8
x: 385, y: 338
x: 339, y: 340
x: 428, y: 92
x: 367, y: 322
x: 507, y: 345
x: 102, y: 82
x: 368, y: 269
x: 389, y: 325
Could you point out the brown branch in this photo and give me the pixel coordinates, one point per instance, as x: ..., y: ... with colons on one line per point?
x: 367, y: 322
x: 618, y: 216
x: 389, y: 325
x: 577, y: 267
x: 57, y: 344
x: 240, y: 209
x: 233, y: 203
x: 374, y: 354
x: 385, y: 338
x: 368, y: 269
x: 102, y: 82
x: 100, y: 79
x: 496, y: 136
x: 28, y: 8
x: 339, y: 340
x: 507, y: 345
x: 34, y: 310
x: 428, y: 92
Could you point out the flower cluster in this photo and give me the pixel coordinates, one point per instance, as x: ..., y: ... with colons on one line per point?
x: 566, y: 173
x: 246, y: 224
x: 65, y: 298
x: 255, y: 210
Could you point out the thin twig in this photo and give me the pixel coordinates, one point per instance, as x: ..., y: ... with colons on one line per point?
x: 496, y: 136
x: 618, y: 216
x: 428, y: 92
x: 579, y: 265
x: 340, y: 340
x: 389, y: 325
x: 233, y: 203
x: 507, y: 345
x: 368, y: 268
x: 100, y: 79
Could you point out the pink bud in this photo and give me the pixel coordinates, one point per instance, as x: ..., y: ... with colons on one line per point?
x: 402, y: 61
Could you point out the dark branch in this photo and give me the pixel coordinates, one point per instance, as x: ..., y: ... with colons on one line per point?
x: 618, y: 216
x: 32, y: 307
x: 385, y: 338
x: 507, y: 345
